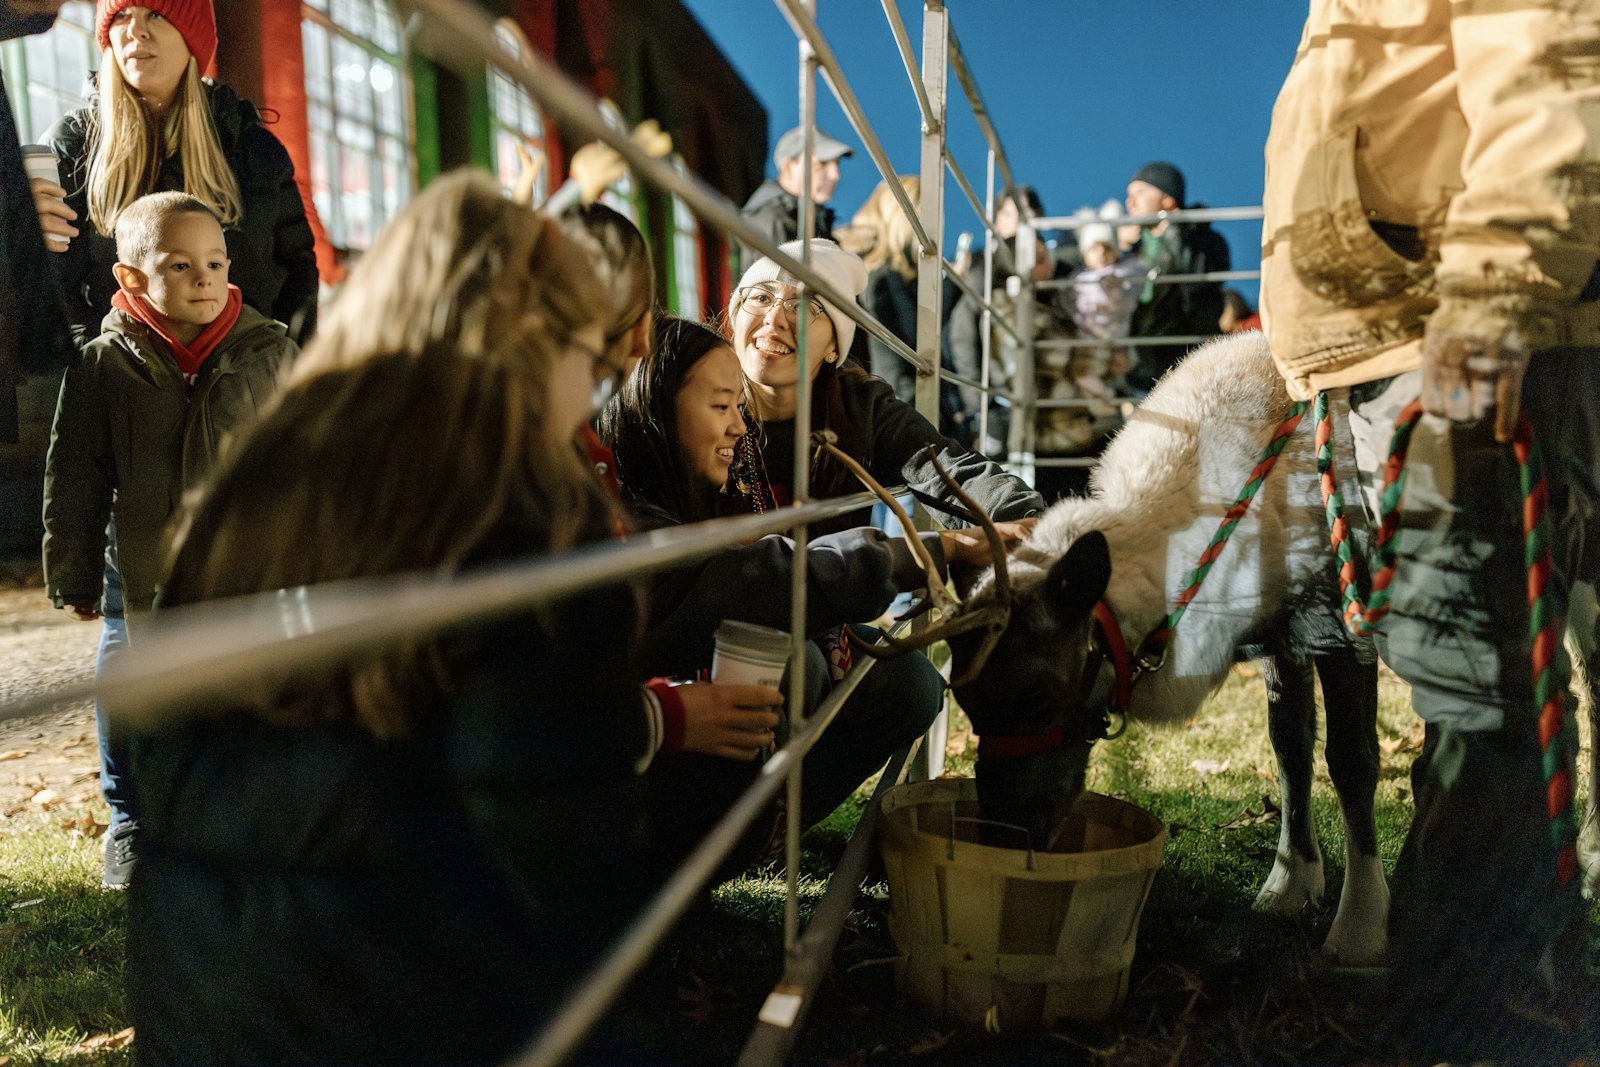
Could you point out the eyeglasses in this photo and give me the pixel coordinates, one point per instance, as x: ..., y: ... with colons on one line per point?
x: 608, y: 376
x: 758, y: 300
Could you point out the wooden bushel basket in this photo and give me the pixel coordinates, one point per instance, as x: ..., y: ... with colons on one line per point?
x: 1007, y: 938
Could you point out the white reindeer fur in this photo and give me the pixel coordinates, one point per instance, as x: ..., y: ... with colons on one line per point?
x: 1158, y: 494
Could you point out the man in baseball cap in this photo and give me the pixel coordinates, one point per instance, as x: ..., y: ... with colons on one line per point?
x: 774, y: 208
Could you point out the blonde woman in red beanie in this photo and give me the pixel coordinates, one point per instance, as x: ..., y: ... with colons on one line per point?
x: 154, y: 125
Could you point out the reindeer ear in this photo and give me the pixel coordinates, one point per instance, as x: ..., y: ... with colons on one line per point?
x: 1078, y: 580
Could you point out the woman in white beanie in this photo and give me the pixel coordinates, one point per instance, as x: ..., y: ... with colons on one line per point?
x: 882, y: 432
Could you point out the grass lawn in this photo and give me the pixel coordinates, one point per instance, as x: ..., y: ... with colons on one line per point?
x: 1213, y: 982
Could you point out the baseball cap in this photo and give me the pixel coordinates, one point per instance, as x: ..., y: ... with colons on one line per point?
x: 824, y: 148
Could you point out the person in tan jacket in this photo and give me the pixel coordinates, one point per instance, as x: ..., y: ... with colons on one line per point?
x: 1432, y: 229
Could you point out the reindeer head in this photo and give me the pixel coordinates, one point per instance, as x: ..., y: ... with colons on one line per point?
x: 1033, y: 703
x: 1018, y: 668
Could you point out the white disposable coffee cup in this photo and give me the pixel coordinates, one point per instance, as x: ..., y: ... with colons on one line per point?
x: 40, y: 162
x: 747, y: 654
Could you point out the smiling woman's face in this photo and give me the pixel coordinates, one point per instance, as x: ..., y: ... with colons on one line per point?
x: 150, y: 53
x: 766, y: 338
x: 709, y: 423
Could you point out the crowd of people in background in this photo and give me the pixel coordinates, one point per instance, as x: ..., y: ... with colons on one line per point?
x: 1095, y: 281
x: 408, y: 856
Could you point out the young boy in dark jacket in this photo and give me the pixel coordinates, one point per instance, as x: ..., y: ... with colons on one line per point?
x: 179, y: 365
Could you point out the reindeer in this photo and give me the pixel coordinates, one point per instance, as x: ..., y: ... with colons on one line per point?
x: 1034, y: 670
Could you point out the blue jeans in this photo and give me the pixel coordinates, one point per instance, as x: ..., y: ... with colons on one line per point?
x: 114, y: 785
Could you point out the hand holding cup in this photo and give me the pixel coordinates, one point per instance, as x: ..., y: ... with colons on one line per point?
x: 732, y: 721
x: 49, y: 198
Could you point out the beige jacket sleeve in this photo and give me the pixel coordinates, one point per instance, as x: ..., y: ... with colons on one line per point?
x: 1522, y: 236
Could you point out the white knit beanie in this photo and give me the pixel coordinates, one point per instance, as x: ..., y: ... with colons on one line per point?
x: 840, y: 269
x: 1093, y: 231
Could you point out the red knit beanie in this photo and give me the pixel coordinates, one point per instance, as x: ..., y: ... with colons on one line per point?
x: 194, y: 19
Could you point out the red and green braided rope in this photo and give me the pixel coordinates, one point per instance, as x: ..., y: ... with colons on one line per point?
x: 1362, y: 618
x: 1230, y: 519
x: 1544, y: 622
x: 1544, y: 632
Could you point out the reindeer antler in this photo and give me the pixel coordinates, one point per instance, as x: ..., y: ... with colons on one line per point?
x: 937, y: 593
x: 997, y: 615
x: 994, y: 616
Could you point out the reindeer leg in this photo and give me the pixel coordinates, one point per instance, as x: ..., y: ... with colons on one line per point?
x: 1296, y: 878
x: 1359, y: 936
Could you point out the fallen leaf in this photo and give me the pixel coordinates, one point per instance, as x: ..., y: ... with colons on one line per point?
x: 85, y: 825
x: 1269, y: 813
x: 106, y: 1042
x: 45, y: 798
x: 16, y: 753
x: 1204, y: 767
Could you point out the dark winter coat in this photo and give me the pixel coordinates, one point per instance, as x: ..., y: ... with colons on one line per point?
x: 963, y: 338
x: 129, y: 430
x: 274, y: 261
x: 312, y: 895
x: 1184, y: 309
x: 33, y: 334
x: 775, y: 213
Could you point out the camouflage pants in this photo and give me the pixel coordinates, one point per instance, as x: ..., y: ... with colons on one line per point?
x: 1477, y: 907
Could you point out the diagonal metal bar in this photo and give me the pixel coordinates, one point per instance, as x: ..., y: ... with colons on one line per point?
x: 966, y: 287
x: 972, y: 197
x: 205, y: 651
x: 787, y: 1005
x: 462, y: 32
x: 584, y: 1006
x: 897, y: 26
x: 980, y: 111
x: 805, y: 24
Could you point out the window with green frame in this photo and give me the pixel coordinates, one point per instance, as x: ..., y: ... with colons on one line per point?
x: 515, y: 120
x: 46, y: 73
x: 357, y: 113
x: 620, y: 197
x: 686, y: 293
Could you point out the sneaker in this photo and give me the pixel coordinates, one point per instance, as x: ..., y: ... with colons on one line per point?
x: 120, y: 857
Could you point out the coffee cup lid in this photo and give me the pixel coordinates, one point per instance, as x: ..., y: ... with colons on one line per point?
x: 757, y: 639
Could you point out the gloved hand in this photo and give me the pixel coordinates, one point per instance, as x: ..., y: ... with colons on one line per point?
x: 1466, y: 377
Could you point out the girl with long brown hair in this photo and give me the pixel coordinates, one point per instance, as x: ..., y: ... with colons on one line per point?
x: 409, y: 855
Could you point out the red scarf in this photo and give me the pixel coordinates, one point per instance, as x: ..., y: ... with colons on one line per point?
x: 189, y: 356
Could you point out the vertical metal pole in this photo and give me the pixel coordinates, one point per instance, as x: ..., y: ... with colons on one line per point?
x: 1025, y: 382
x: 802, y: 490
x: 985, y: 334
x: 928, y: 762
x: 930, y: 273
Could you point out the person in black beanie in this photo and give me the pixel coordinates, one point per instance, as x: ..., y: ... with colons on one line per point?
x: 1179, y: 310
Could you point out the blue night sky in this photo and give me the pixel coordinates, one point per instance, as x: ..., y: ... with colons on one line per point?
x: 1082, y: 92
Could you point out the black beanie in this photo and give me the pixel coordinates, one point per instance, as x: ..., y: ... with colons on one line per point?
x: 1163, y: 176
